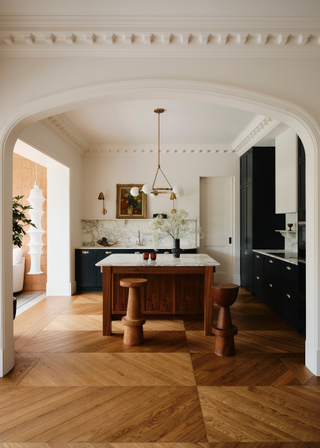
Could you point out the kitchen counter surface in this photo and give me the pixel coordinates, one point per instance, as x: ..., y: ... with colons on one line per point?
x: 162, y: 260
x: 292, y: 257
x: 140, y: 248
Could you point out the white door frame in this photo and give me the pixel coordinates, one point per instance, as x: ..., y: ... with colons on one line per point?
x: 290, y: 114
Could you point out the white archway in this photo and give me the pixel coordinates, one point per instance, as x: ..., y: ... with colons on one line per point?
x: 295, y: 117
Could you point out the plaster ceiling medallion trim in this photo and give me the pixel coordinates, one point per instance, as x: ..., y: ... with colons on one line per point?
x: 63, y: 127
x: 255, y: 131
x: 179, y: 149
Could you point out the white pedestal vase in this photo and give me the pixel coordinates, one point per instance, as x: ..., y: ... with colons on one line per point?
x: 36, y: 200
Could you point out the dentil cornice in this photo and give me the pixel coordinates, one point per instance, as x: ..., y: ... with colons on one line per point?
x: 63, y: 128
x: 172, y: 36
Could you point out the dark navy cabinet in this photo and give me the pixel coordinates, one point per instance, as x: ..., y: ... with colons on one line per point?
x: 258, y: 220
x: 276, y: 283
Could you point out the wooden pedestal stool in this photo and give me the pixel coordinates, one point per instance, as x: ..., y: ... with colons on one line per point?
x: 133, y: 321
x: 224, y: 295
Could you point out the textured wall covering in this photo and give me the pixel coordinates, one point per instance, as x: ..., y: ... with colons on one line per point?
x: 24, y: 175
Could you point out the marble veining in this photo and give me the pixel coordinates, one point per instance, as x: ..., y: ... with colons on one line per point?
x: 275, y: 251
x: 291, y: 240
x: 162, y: 260
x: 125, y: 232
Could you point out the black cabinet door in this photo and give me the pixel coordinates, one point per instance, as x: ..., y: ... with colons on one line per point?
x: 84, y: 269
x: 249, y: 220
x: 273, y: 296
x: 258, y: 264
x: 258, y: 286
x: 290, y: 306
x: 249, y: 166
x: 243, y: 216
x: 273, y: 269
x: 247, y: 269
x: 243, y: 171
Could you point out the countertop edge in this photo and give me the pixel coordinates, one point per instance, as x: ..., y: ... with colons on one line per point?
x: 267, y: 252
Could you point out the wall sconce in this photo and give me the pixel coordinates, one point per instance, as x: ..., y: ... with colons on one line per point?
x: 101, y: 198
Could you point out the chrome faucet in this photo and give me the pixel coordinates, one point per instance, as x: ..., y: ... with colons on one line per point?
x: 139, y: 242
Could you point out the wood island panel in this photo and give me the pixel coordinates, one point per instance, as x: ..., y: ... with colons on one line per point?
x: 170, y: 290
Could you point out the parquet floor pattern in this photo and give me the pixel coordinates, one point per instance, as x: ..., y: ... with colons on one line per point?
x: 74, y: 388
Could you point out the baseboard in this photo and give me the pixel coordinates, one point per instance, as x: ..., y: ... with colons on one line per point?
x: 73, y: 288
x: 237, y: 280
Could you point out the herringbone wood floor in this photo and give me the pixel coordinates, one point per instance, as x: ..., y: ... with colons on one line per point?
x: 72, y: 387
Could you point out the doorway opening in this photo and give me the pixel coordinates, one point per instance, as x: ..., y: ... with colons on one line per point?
x: 53, y: 179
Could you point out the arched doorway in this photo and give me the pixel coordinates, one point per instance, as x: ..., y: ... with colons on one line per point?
x: 295, y: 117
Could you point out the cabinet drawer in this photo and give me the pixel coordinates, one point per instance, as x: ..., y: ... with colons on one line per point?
x: 272, y: 295
x: 258, y: 263
x: 290, y: 306
x: 273, y: 269
x: 258, y: 285
x: 290, y: 275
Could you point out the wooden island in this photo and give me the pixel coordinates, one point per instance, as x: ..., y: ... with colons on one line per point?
x: 176, y: 286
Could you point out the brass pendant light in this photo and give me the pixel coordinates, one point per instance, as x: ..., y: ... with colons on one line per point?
x: 175, y: 191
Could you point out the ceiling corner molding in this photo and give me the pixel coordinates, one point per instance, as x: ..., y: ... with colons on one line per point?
x: 255, y: 131
x: 63, y: 128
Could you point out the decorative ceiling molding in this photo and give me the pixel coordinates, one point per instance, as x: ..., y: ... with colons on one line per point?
x: 64, y: 129
x: 255, y: 131
x: 173, y: 36
x: 152, y: 149
x: 250, y: 136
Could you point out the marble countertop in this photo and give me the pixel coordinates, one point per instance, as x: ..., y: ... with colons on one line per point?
x: 162, y: 260
x: 140, y: 248
x: 292, y: 256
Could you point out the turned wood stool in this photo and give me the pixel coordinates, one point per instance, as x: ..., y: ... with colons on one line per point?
x: 224, y: 295
x: 133, y: 321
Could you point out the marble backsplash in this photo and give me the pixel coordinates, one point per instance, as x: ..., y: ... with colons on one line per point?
x: 125, y: 232
x: 291, y: 242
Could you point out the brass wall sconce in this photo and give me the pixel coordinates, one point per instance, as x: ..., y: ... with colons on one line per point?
x: 101, y: 198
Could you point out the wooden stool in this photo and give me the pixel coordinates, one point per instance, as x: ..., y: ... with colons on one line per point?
x: 224, y: 295
x: 133, y: 321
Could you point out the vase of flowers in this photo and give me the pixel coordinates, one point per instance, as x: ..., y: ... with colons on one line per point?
x: 177, y: 227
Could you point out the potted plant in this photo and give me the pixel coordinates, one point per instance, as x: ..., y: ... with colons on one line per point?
x: 176, y: 226
x: 19, y: 220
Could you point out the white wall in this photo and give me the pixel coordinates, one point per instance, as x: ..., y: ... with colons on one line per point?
x: 64, y: 169
x: 104, y: 172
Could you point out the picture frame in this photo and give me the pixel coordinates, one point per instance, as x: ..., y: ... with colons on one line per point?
x: 129, y: 207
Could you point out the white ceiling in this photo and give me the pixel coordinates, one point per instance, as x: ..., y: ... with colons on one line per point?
x: 183, y: 122
x: 139, y: 8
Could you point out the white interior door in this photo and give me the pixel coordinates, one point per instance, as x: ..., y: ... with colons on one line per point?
x: 216, y: 220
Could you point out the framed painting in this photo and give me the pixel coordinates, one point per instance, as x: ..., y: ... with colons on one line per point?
x: 130, y: 207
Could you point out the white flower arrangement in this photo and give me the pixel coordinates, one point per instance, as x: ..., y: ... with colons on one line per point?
x: 177, y: 227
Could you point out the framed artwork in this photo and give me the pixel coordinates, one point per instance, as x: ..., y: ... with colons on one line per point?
x: 129, y: 207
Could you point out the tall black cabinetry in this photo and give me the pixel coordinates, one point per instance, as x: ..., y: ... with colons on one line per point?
x: 258, y: 220
x: 302, y: 235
